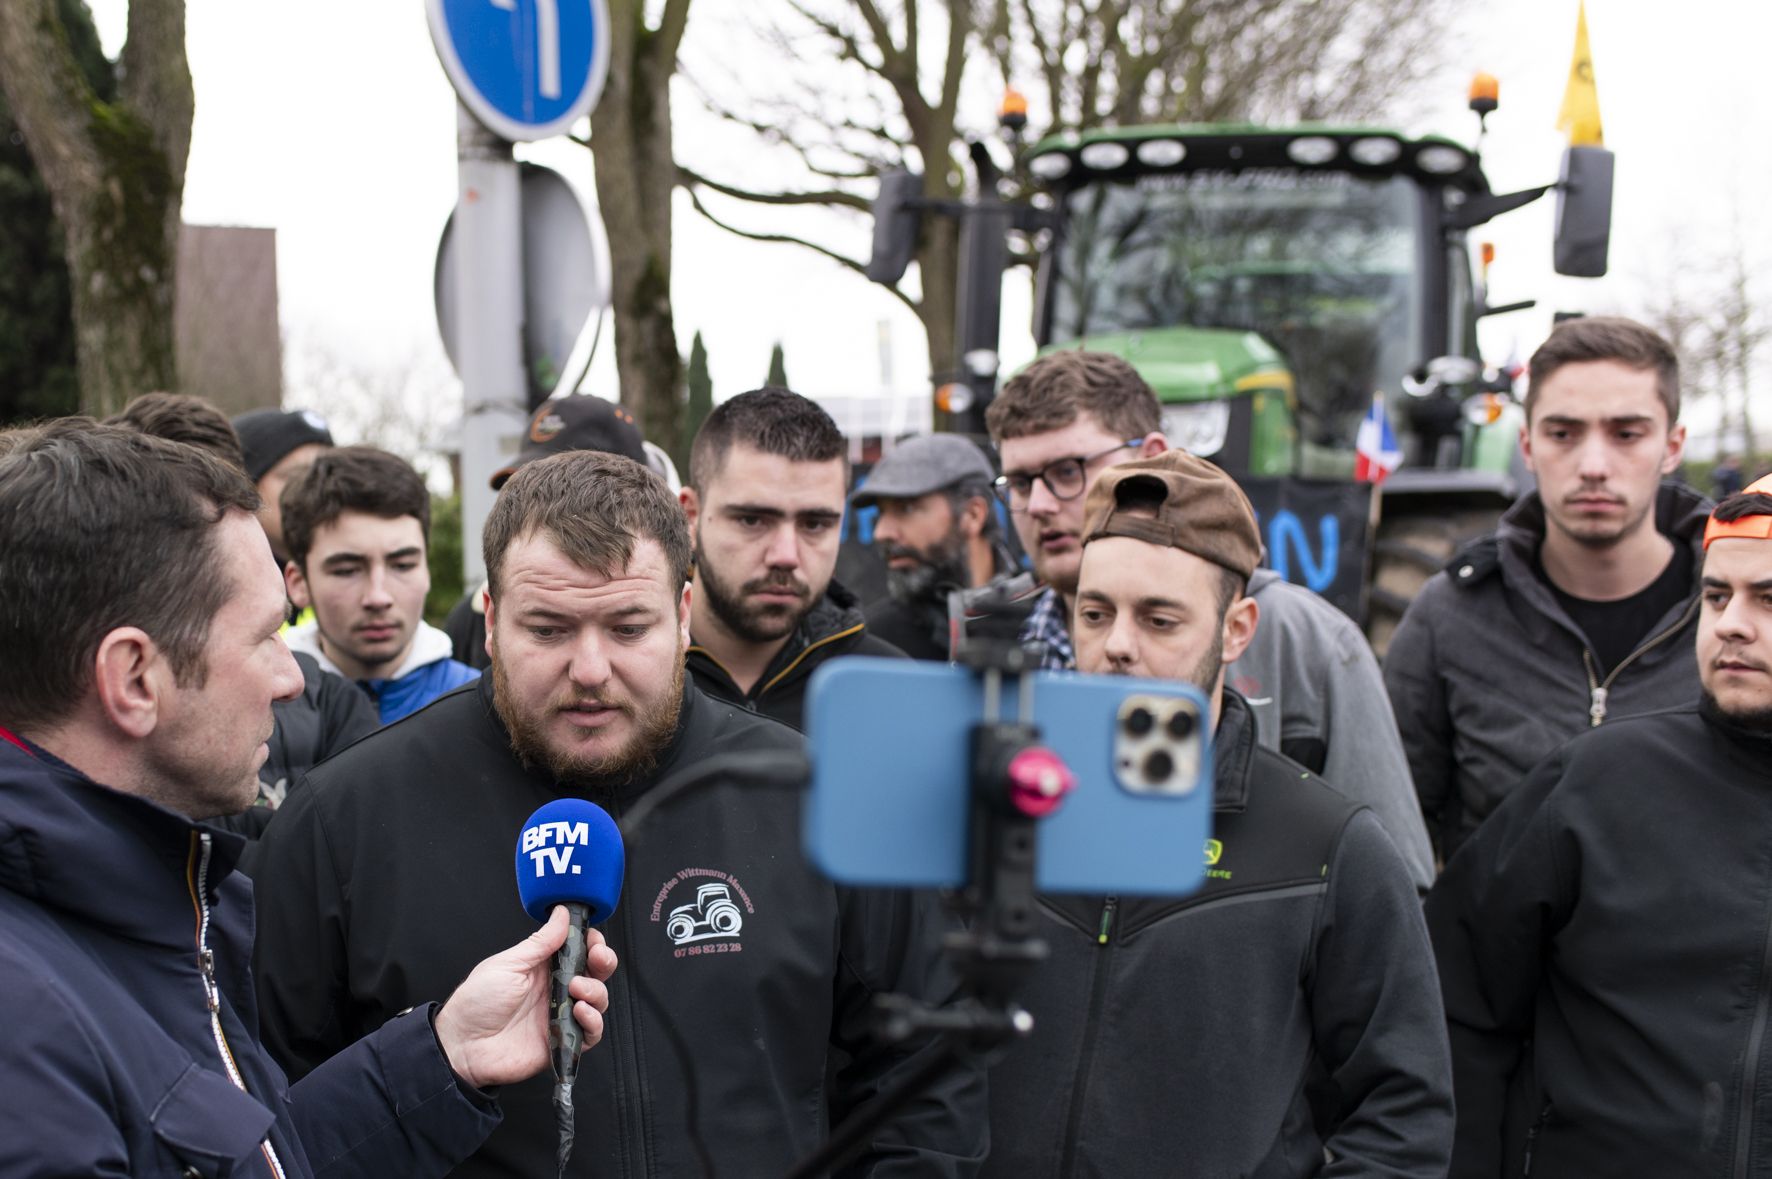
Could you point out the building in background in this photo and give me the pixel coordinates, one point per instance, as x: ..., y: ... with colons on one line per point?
x: 230, y: 348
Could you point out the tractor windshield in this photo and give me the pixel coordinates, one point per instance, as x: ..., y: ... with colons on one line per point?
x: 1322, y: 264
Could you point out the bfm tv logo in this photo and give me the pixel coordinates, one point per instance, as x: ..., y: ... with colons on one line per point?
x: 559, y: 857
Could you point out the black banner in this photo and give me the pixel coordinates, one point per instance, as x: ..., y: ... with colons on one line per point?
x: 1315, y: 531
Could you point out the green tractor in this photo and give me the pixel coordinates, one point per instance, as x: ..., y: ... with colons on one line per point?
x: 1269, y: 283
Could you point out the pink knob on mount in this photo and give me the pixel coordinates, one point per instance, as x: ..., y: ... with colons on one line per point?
x: 1038, y: 781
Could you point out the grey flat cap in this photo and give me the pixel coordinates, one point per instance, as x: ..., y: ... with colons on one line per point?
x: 920, y: 465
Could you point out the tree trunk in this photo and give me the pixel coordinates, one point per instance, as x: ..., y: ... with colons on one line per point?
x: 116, y: 175
x: 631, y: 144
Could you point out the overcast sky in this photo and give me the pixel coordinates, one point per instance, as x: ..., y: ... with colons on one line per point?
x: 332, y: 122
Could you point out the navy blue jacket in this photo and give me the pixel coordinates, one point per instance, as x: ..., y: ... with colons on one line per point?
x: 130, y: 1021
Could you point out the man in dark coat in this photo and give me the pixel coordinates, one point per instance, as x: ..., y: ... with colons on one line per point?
x: 1284, y: 1015
x: 745, y: 974
x: 767, y: 480
x: 135, y: 706
x: 1603, y: 937
x: 1580, y: 607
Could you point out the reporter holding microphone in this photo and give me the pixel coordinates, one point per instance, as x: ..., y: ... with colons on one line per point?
x: 139, y: 657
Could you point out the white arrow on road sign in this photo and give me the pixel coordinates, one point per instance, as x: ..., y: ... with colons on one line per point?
x: 528, y: 69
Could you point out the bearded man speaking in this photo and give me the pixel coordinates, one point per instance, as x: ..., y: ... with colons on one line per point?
x: 752, y: 966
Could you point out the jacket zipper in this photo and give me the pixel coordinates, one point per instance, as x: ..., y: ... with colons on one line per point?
x: 212, y: 992
x: 1598, y: 692
x: 1750, y: 1067
x: 1532, y: 1139
x: 1097, y: 1000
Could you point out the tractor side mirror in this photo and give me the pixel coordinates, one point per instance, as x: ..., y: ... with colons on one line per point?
x: 1584, y: 212
x: 897, y: 222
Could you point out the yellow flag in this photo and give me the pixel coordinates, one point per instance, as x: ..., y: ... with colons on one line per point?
x: 1580, y: 115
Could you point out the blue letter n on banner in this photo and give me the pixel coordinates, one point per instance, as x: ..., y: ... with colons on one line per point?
x: 1285, y: 527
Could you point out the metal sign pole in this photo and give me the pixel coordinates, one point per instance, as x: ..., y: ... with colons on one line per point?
x: 489, y: 329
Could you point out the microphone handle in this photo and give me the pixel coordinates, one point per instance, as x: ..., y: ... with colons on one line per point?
x: 565, y: 1036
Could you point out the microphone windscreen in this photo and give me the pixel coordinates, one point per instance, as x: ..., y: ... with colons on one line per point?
x: 570, y: 850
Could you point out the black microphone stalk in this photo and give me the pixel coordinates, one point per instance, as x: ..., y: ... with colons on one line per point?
x: 565, y: 1038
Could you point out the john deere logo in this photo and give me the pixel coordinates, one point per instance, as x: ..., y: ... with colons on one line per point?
x: 545, y: 427
x: 1214, y: 849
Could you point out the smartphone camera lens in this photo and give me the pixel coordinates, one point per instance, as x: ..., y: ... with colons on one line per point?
x: 1140, y: 721
x: 1158, y: 766
x: 1181, y: 724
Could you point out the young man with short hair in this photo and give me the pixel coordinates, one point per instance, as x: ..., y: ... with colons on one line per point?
x: 1581, y: 606
x: 133, y: 712
x: 1285, y: 1014
x: 357, y: 524
x: 937, y: 531
x: 768, y: 478
x: 587, y: 556
x: 571, y: 421
x: 1602, y: 936
x: 1308, y: 674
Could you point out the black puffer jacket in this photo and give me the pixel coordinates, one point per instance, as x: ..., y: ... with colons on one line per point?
x: 1605, y: 948
x: 390, y: 874
x: 836, y: 626
x: 1487, y: 674
x: 1288, y: 1007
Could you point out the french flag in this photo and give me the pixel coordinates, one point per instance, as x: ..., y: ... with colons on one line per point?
x: 1375, y: 447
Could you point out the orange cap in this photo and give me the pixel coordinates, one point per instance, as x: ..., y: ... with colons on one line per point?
x: 1755, y: 527
x: 1014, y: 102
x: 1485, y: 86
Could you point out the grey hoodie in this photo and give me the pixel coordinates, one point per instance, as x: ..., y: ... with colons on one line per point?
x: 1488, y: 674
x: 1309, y: 676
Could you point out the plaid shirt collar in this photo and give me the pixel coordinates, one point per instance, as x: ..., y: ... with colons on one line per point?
x: 1047, y: 625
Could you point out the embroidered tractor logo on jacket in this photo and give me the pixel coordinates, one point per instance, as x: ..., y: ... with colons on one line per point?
x: 712, y: 915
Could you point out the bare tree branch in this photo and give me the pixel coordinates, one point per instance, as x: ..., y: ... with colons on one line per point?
x: 831, y: 199
x: 851, y: 263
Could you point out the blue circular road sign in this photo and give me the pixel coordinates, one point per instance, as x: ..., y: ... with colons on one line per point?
x: 528, y: 69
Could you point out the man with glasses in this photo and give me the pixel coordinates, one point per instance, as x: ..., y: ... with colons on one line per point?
x: 1308, y: 675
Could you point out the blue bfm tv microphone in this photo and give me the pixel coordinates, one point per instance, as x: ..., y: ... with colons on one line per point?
x: 570, y: 853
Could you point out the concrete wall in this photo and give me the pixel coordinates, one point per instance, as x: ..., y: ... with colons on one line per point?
x: 230, y: 349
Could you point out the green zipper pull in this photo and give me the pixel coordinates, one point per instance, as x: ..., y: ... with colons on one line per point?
x: 1107, y: 921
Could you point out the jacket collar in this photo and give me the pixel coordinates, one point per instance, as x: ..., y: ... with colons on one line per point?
x: 109, y: 859
x: 1233, y: 753
x: 837, y: 614
x: 1754, y: 744
x: 1680, y: 515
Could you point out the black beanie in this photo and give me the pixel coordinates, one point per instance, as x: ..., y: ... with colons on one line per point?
x: 266, y: 435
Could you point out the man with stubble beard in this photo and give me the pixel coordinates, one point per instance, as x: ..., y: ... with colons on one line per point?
x: 761, y: 968
x: 1581, y: 607
x: 768, y: 476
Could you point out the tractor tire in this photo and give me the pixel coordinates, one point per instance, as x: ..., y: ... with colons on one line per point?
x: 1406, y: 552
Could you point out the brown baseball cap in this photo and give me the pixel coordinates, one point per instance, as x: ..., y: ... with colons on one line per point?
x: 1198, y: 509
x: 577, y: 421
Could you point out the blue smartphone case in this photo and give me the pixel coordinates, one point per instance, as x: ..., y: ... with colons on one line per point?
x: 890, y: 800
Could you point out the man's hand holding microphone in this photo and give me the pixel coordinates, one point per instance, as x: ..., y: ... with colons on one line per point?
x: 494, y: 1028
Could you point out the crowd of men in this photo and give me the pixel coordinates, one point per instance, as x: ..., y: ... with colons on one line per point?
x: 256, y: 816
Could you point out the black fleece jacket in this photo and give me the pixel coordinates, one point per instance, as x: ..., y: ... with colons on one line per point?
x: 1287, y: 1008
x: 1605, y: 950
x: 836, y: 626
x: 1487, y: 674
x: 390, y: 875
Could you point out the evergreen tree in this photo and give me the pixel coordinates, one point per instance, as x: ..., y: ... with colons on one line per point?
x: 701, y: 392
x: 778, y: 370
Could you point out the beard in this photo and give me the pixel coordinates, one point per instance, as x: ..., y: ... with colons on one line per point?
x: 1204, y: 676
x: 1754, y: 720
x: 754, y: 622
x: 599, y: 776
x: 939, y: 567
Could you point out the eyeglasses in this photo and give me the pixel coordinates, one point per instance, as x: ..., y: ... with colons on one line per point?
x: 1065, y: 478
